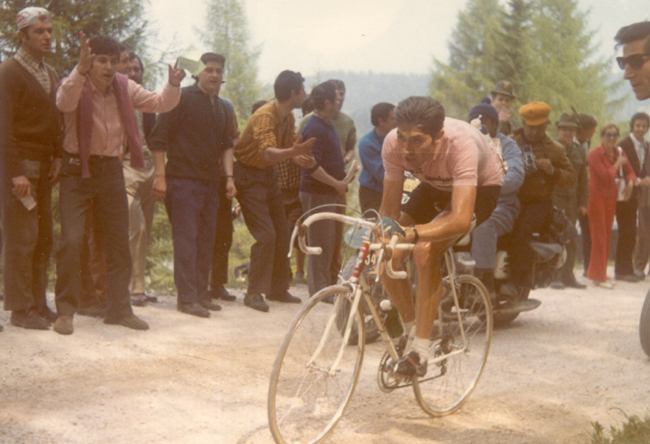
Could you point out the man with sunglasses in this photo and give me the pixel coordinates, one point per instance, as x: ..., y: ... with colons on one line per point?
x: 635, y: 39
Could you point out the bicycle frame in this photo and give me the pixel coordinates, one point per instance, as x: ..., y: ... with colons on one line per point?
x: 358, y: 286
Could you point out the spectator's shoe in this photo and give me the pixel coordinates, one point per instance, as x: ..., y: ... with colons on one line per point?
x: 300, y: 276
x: 63, y: 325
x: 29, y: 319
x: 209, y: 305
x: 575, y: 284
x: 627, y: 277
x: 150, y: 298
x: 193, y: 308
x: 606, y: 284
x: 639, y: 274
x: 557, y: 285
x: 96, y: 311
x: 47, y: 314
x: 256, y: 302
x: 283, y: 297
x: 129, y: 321
x: 410, y: 365
x: 220, y: 292
x: 138, y: 300
x: 1, y: 327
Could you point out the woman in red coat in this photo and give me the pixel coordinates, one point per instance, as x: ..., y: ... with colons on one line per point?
x: 604, y: 163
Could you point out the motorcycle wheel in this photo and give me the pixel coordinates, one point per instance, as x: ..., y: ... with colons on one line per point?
x: 504, y: 319
x: 644, y: 325
x: 372, y: 332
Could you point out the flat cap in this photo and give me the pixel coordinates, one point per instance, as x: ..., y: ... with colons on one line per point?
x: 535, y: 113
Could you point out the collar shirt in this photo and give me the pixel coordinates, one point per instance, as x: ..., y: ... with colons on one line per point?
x: 265, y: 129
x: 35, y: 67
x: 639, y: 147
x: 108, y: 130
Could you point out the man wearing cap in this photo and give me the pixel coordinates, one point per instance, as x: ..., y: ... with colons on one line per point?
x: 586, y: 127
x: 502, y: 219
x: 546, y: 166
x: 502, y: 97
x: 572, y: 200
x: 31, y: 149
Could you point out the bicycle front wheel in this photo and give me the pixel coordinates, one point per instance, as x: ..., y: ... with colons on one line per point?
x: 460, y: 343
x: 307, y: 396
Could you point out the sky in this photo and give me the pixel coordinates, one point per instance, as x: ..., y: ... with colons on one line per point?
x: 393, y: 36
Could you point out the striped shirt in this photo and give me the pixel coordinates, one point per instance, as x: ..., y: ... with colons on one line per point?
x: 36, y: 68
x: 265, y: 129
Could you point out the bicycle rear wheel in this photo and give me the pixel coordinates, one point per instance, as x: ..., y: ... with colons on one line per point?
x: 305, y: 400
x: 450, y: 381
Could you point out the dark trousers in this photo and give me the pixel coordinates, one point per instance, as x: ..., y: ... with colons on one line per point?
x: 532, y: 218
x: 626, y: 221
x: 105, y: 189
x: 586, y: 240
x: 27, y: 241
x: 192, y: 209
x: 320, y: 234
x: 223, y: 240
x: 262, y: 206
x: 369, y: 199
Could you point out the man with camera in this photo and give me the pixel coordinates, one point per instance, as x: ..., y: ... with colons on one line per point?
x: 546, y: 166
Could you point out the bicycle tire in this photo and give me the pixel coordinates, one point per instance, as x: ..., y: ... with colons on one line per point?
x: 305, y: 402
x: 448, y: 383
x: 644, y: 325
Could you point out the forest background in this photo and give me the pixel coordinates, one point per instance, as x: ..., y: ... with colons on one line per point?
x: 548, y: 49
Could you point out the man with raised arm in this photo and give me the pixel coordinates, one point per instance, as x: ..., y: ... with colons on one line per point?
x: 461, y: 173
x: 30, y: 145
x: 98, y: 109
x: 269, y: 138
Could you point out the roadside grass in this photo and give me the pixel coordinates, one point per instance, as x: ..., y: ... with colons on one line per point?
x: 633, y: 430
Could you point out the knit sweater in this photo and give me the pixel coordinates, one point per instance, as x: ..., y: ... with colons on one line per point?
x: 30, y: 125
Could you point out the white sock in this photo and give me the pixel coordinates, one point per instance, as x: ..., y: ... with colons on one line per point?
x: 421, y: 347
x: 408, y: 326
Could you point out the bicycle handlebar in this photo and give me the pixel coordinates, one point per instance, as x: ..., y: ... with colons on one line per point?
x: 300, y: 231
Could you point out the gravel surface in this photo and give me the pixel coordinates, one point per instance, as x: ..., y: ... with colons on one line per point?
x: 574, y: 360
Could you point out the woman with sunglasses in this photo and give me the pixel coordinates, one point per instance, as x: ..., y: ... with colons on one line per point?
x: 604, y: 164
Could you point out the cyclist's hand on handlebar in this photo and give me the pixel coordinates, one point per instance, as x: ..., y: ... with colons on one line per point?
x: 389, y: 227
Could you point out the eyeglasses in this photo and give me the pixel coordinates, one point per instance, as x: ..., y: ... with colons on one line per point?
x: 610, y: 136
x: 635, y: 61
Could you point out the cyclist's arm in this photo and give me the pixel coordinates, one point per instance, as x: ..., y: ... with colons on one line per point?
x: 451, y: 224
x: 392, y: 199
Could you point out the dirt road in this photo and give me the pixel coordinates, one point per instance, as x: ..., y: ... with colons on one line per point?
x: 574, y: 360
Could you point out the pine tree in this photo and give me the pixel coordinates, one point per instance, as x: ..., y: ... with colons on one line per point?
x: 473, y: 50
x: 544, y: 47
x: 227, y: 34
x: 120, y: 19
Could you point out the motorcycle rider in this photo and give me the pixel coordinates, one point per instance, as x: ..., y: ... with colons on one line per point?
x: 546, y: 166
x: 502, y: 219
x: 461, y: 174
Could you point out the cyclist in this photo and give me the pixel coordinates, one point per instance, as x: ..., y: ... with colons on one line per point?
x: 461, y: 173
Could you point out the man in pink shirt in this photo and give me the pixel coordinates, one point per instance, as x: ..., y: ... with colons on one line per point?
x: 98, y: 110
x: 461, y: 174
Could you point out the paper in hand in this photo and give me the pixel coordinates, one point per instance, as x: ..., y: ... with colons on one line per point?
x: 190, y: 60
x: 354, y: 167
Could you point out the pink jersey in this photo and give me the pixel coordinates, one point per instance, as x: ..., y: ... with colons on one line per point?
x: 464, y: 157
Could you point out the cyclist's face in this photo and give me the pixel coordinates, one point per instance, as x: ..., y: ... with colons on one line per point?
x: 416, y: 146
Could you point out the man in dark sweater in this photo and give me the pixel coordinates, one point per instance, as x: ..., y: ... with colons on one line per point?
x: 31, y: 150
x: 322, y: 184
x: 195, y: 137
